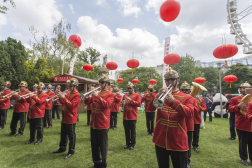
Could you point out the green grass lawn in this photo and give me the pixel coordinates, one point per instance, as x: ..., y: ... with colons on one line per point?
x: 216, y: 151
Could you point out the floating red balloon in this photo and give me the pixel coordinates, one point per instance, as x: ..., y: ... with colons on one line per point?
x: 230, y: 79
x: 111, y: 65
x: 172, y: 59
x: 120, y: 80
x: 75, y: 40
x: 199, y: 80
x: 152, y: 81
x: 132, y: 63
x: 225, y: 51
x: 88, y: 67
x: 169, y: 10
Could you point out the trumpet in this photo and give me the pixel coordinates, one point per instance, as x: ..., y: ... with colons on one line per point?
x: 10, y: 93
x: 33, y: 93
x: 47, y: 100
x: 85, y: 94
x: 124, y: 103
x: 159, y: 102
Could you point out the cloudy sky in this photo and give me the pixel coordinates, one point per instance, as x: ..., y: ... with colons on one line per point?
x: 120, y: 27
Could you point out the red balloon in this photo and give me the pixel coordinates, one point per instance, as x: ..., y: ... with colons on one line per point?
x: 172, y: 59
x: 132, y: 63
x: 169, y: 10
x: 88, y: 67
x: 152, y: 81
x: 120, y: 80
x: 135, y: 81
x: 111, y: 65
x: 230, y: 78
x: 225, y: 51
x: 75, y: 40
x: 199, y: 80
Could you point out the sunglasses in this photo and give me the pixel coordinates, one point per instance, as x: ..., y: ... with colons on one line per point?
x: 101, y: 82
x: 70, y: 86
x: 184, y: 90
x: 129, y: 88
x: 170, y: 79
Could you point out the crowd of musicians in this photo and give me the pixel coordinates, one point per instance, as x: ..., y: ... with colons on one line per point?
x: 177, y: 112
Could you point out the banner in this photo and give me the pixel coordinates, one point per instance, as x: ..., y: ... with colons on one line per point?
x: 166, y: 52
x: 71, y: 66
x: 61, y: 78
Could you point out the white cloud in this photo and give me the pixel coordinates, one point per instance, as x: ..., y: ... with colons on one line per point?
x: 129, y: 7
x: 100, y: 2
x: 146, y: 46
x: 155, y: 4
x: 3, y: 20
x: 71, y: 7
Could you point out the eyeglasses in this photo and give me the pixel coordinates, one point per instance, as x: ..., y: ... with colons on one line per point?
x: 102, y: 82
x: 184, y: 90
x: 170, y: 79
x: 129, y: 88
x: 70, y: 86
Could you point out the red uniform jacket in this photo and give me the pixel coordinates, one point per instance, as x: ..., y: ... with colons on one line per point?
x: 49, y: 95
x: 190, y: 121
x: 70, y: 104
x: 5, y: 102
x: 170, y: 131
x: 100, y: 118
x: 88, y: 104
x: 148, y: 98
x: 240, y: 121
x: 57, y: 102
x: 197, y: 116
x: 37, y: 105
x: 131, y: 107
x: 21, y: 105
x: 115, y: 106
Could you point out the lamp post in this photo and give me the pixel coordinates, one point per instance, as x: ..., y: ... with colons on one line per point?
x: 219, y: 67
x: 214, y: 90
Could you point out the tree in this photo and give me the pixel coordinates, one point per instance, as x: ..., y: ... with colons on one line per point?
x: 144, y: 75
x: 38, y: 72
x: 187, y: 70
x: 211, y: 75
x: 90, y: 52
x: 3, y: 9
x: 242, y: 72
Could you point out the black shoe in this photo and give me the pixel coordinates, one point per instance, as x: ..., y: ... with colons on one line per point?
x: 114, y: 128
x: 152, y: 134
x: 188, y: 166
x: 18, y: 135
x: 59, y: 150
x: 131, y: 148
x: 126, y: 146
x: 147, y: 133
x: 37, y: 142
x: 231, y: 138
x: 11, y: 133
x: 68, y: 155
x: 245, y: 162
x: 44, y: 126
x: 28, y: 142
x: 57, y: 119
x: 49, y: 127
x: 196, y: 149
x: 53, y: 118
x: 1, y: 128
x: 87, y: 125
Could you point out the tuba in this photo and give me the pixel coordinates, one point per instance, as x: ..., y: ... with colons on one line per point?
x: 195, y: 89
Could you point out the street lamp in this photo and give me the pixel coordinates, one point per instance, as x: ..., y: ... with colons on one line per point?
x: 219, y: 66
x: 214, y: 90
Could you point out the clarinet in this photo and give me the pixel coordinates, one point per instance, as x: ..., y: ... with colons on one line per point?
x: 124, y: 103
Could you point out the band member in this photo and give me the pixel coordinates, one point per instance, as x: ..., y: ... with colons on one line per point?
x: 100, y: 120
x: 243, y: 126
x: 170, y: 132
x: 34, y: 88
x: 150, y: 109
x: 48, y: 116
x: 4, y: 103
x: 56, y: 104
x: 115, y: 108
x: 37, y: 112
x: 70, y: 104
x: 89, y: 111
x: 131, y: 103
x: 20, y: 109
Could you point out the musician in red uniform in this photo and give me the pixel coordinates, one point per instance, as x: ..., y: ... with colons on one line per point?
x: 170, y: 133
x: 35, y: 92
x: 37, y: 111
x: 56, y: 104
x: 89, y: 111
x: 131, y: 103
x: 48, y: 115
x: 20, y: 109
x: 115, y: 108
x: 4, y: 103
x: 150, y: 109
x: 243, y: 126
x: 100, y: 120
x: 70, y: 104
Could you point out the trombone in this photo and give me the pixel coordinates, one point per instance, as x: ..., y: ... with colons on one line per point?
x: 85, y: 94
x: 159, y: 102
